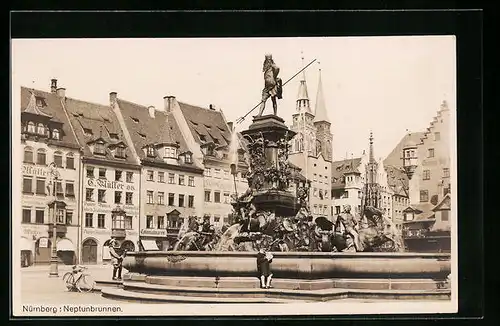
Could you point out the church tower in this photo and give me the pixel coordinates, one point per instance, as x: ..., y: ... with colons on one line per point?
x: 322, y: 123
x: 302, y: 122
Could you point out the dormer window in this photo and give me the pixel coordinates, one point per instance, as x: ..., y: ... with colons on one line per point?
x: 210, y: 151
x: 40, y: 129
x: 87, y: 132
x: 151, y: 151
x: 55, y: 134
x: 120, y: 152
x: 31, y: 127
x: 216, y: 141
x: 99, y: 148
x: 203, y: 138
x: 113, y: 136
x: 170, y: 152
x: 39, y: 102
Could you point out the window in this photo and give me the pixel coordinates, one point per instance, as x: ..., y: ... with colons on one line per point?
x: 118, y: 197
x: 424, y: 195
x: 90, y: 172
x: 118, y: 175
x: 191, y: 201
x: 149, y: 195
x: 27, y: 185
x: 315, y: 178
x: 102, y: 173
x: 208, y: 172
x: 100, y: 221
x: 69, y: 217
x: 171, y: 199
x: 87, y: 132
x: 149, y: 222
x: 170, y: 152
x: 171, y: 178
x: 118, y: 222
x: 188, y: 158
x: 151, y: 151
x: 89, y: 217
x: 101, y: 195
x: 160, y: 222
x: 445, y: 216
x: 151, y: 175
x: 128, y: 222
x: 120, y: 152
x: 59, y: 188
x: 161, y: 198
x: 40, y: 129
x: 70, y: 161
x: 89, y: 194
x: 129, y: 177
x: 337, y: 209
x: 430, y: 152
x: 31, y: 127
x: 181, y: 180
x: 427, y: 175
x: 446, y: 173
x: 226, y: 198
x: 315, y: 192
x: 181, y: 200
x: 216, y: 173
x: 437, y: 136
x: 39, y: 216
x: 26, y: 216
x: 99, y: 149
x: 216, y: 218
x: 161, y: 176
x: 55, y: 134
x: 28, y: 155
x: 191, y: 181
x: 58, y: 159
x: 40, y: 186
x: 207, y: 195
x: 128, y: 198
x: 41, y: 157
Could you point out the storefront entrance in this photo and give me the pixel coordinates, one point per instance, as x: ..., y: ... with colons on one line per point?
x: 89, y: 252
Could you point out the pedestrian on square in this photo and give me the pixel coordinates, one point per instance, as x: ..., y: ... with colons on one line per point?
x: 264, y: 260
x: 117, y: 260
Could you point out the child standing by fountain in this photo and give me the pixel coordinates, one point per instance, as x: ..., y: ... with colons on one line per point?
x: 264, y: 260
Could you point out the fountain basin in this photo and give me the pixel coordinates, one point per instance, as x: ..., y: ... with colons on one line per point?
x: 292, y: 265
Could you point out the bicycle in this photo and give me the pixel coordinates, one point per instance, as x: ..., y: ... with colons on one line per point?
x: 82, y: 282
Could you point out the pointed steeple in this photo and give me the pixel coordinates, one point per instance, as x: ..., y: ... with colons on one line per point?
x: 372, y: 154
x: 33, y: 108
x: 303, y: 95
x: 320, y: 109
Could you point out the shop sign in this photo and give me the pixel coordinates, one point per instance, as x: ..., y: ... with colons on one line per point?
x: 107, y: 184
x: 97, y: 232
x: 35, y: 230
x: 35, y: 171
x: 43, y: 243
x: 154, y: 233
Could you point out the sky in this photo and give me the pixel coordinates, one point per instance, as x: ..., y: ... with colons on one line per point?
x: 386, y: 85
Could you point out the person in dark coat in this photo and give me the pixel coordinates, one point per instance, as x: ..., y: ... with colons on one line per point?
x: 264, y: 260
x: 116, y: 260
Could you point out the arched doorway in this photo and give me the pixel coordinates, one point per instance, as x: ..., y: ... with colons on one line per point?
x: 128, y: 245
x: 89, y: 252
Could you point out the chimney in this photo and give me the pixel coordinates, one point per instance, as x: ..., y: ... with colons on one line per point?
x: 230, y: 125
x: 112, y: 98
x: 211, y: 107
x: 151, y: 110
x: 61, y: 92
x: 53, y: 85
x: 166, y: 103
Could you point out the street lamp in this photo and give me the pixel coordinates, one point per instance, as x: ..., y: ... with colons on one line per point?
x: 53, y: 259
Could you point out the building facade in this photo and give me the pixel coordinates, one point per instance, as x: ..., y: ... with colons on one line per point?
x: 50, y: 150
x: 311, y: 148
x: 171, y: 181
x: 110, y: 181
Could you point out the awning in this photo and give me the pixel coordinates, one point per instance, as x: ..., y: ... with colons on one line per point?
x: 26, y: 244
x: 149, y: 245
x: 65, y: 245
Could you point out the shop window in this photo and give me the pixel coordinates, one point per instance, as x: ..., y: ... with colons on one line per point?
x: 28, y: 155
x: 41, y: 157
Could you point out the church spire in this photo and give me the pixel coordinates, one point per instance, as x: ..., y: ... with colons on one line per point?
x: 303, y: 95
x: 320, y: 109
x: 372, y: 154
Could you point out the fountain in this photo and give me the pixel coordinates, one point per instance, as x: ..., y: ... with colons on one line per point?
x: 313, y: 261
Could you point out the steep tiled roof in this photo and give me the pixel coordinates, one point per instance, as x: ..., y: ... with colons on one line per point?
x: 206, y: 124
x: 145, y: 130
x: 339, y: 168
x: 423, y: 211
x: 397, y: 180
x: 93, y: 121
x: 52, y: 110
x: 394, y: 158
